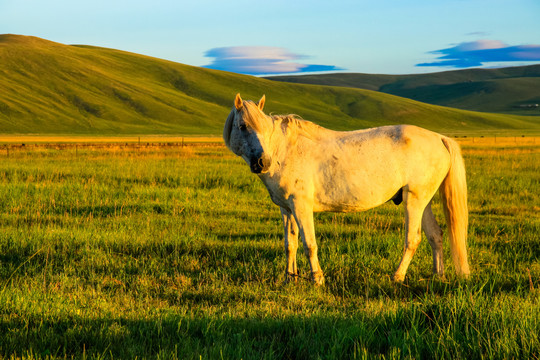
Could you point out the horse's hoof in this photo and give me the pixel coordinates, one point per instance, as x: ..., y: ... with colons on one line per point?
x: 291, y: 278
x: 318, y: 278
x: 439, y: 276
x: 398, y: 278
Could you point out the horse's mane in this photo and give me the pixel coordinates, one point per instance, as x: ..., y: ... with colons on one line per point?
x: 294, y: 125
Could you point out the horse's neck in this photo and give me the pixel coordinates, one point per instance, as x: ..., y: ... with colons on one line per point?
x: 314, y: 132
x: 291, y: 134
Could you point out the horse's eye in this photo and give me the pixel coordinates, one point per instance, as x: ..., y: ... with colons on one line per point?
x: 243, y: 127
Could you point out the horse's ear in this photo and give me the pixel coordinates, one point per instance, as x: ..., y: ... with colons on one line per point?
x: 260, y: 104
x: 238, y: 103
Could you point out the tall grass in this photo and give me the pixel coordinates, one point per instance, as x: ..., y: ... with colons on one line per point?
x: 177, y: 253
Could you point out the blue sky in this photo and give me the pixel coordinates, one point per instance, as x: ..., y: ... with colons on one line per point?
x: 295, y: 36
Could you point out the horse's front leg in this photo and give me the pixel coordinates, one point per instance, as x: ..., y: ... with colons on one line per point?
x: 304, y: 218
x: 291, y: 244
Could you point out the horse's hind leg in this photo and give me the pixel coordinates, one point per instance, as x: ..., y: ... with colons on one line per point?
x: 291, y: 244
x: 434, y: 234
x: 414, y: 208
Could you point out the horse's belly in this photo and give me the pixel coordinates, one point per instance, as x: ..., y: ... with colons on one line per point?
x: 353, y: 184
x: 341, y: 207
x: 349, y: 198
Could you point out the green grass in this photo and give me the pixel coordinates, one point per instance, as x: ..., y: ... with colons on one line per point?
x: 50, y: 88
x: 178, y: 253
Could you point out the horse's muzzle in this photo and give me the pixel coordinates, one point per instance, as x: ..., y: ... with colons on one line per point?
x: 259, y: 165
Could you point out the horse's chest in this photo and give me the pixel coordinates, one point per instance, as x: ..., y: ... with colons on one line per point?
x: 278, y: 196
x: 282, y: 188
x: 275, y: 191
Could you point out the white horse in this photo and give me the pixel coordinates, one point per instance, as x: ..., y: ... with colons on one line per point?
x: 308, y: 168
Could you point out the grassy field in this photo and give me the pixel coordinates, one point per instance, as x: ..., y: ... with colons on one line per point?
x: 177, y: 253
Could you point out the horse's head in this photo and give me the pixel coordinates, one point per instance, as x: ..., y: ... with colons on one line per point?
x: 247, y: 133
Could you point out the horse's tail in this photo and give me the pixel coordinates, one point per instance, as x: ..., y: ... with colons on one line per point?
x: 454, y: 197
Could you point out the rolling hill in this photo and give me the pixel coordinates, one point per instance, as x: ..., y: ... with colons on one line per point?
x: 51, y: 88
x: 513, y: 90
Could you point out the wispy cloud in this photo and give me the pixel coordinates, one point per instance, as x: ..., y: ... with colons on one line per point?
x: 477, y: 53
x: 478, y: 33
x: 261, y: 60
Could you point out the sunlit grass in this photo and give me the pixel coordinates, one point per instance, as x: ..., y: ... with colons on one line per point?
x: 178, y: 253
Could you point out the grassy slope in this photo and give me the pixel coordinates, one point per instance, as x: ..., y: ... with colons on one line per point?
x: 51, y: 88
x: 490, y: 90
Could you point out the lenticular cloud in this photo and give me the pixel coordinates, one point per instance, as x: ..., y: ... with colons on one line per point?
x: 478, y: 53
x: 260, y: 60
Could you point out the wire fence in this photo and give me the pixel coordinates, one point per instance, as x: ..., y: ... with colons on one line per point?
x: 79, y: 148
x: 498, y: 140
x: 139, y: 145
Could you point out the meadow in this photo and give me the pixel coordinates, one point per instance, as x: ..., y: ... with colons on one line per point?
x: 177, y: 253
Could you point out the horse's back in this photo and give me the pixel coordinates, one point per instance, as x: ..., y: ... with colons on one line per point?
x: 414, y: 154
x: 405, y: 143
x: 398, y: 135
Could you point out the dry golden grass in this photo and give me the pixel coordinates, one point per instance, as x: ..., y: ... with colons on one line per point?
x: 499, y: 140
x: 497, y: 151
x: 53, y: 139
x: 500, y: 146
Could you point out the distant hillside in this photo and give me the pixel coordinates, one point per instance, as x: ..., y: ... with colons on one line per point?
x: 513, y: 90
x: 51, y: 88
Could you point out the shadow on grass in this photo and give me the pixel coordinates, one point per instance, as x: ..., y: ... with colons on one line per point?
x: 179, y: 337
x: 432, y: 331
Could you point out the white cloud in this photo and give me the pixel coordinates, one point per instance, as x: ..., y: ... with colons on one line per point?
x: 259, y: 60
x: 252, y: 52
x: 480, y: 52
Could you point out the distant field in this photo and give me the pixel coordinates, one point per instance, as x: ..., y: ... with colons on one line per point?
x: 177, y: 253
x: 163, y: 139
x: 498, y: 141
x: 134, y: 139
